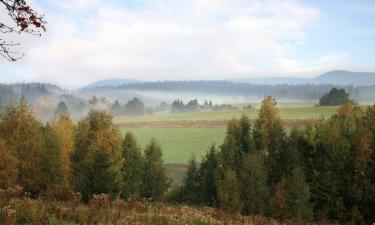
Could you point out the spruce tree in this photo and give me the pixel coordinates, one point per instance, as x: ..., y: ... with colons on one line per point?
x: 254, y: 187
x: 246, y: 142
x: 96, y: 154
x: 230, y: 149
x: 191, y: 184
x: 207, y: 172
x: 101, y: 177
x: 132, y: 167
x: 297, y: 196
x: 51, y: 172
x: 155, y: 182
x: 229, y: 191
x: 61, y: 109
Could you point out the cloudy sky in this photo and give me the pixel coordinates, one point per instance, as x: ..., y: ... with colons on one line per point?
x: 88, y: 40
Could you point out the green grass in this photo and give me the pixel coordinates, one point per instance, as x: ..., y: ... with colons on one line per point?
x: 287, y: 111
x: 180, y: 144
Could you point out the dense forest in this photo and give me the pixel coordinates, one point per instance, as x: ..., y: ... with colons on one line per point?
x: 322, y: 172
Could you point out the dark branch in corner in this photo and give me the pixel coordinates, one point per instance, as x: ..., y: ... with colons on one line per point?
x: 25, y: 19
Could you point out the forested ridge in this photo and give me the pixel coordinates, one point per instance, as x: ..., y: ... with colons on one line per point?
x: 322, y: 172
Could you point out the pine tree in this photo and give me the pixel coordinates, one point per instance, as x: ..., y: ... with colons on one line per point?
x: 155, y: 181
x: 96, y: 154
x: 132, y: 167
x: 254, y: 188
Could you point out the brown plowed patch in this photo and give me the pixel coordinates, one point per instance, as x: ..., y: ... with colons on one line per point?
x: 196, y: 124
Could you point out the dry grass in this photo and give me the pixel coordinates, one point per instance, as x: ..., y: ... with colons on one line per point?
x: 16, y: 208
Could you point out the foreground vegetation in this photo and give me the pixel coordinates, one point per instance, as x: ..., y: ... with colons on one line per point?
x: 18, y: 209
x: 88, y: 173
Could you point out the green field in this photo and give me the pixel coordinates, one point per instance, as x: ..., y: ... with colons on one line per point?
x: 287, y: 111
x: 180, y: 144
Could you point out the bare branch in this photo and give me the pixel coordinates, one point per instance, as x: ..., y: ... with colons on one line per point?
x: 26, y: 20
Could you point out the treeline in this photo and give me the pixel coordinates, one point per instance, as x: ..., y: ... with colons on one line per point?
x: 57, y: 159
x: 280, y: 91
x: 323, y: 171
x: 9, y: 93
x: 133, y: 107
x: 178, y: 106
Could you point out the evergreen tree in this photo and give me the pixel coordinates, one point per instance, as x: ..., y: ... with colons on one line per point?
x: 369, y: 155
x: 191, y: 184
x: 101, y: 177
x: 207, y: 172
x: 132, y: 167
x: 230, y: 152
x: 96, y: 154
x: 254, y: 188
x: 61, y: 109
x: 246, y: 143
x: 155, y: 181
x: 116, y: 108
x: 229, y: 191
x: 297, y: 196
x: 51, y: 172
x: 278, y: 205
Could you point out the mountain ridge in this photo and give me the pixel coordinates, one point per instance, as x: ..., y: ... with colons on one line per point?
x: 335, y: 77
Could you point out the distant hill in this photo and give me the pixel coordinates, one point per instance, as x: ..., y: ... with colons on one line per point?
x: 112, y: 82
x: 337, y: 77
x: 342, y: 77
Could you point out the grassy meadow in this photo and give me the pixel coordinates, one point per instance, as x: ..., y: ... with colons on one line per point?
x: 180, y: 144
x: 287, y: 111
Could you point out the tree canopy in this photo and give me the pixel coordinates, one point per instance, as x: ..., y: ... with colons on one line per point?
x: 335, y: 97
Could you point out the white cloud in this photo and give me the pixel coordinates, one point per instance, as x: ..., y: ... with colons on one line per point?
x: 193, y: 39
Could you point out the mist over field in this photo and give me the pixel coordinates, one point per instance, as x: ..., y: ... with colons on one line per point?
x: 187, y: 112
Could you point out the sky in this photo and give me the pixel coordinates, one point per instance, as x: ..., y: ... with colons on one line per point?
x: 90, y: 40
